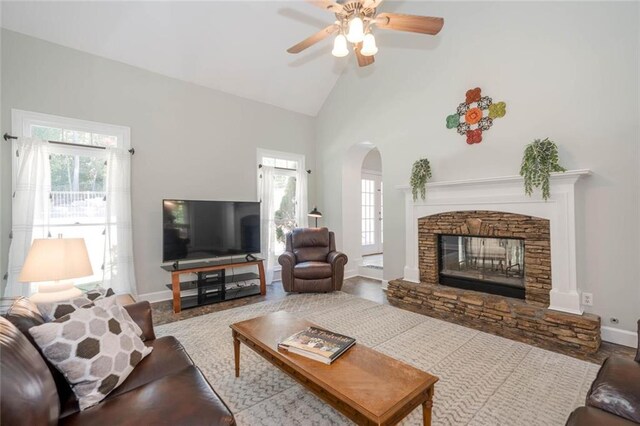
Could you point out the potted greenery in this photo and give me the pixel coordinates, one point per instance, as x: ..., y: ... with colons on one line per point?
x: 539, y: 161
x: 420, y: 174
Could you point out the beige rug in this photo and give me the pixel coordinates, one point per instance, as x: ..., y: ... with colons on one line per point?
x: 484, y: 379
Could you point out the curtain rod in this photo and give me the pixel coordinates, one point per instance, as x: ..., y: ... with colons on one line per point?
x: 284, y: 168
x: 8, y: 137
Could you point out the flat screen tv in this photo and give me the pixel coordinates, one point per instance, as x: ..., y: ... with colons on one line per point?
x: 207, y: 229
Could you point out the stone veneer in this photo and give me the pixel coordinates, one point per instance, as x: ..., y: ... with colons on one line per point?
x: 504, y: 316
x: 526, y: 320
x: 534, y: 231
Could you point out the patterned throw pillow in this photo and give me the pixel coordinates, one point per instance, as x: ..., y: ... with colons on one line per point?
x: 55, y: 310
x: 109, y: 302
x: 93, y: 348
x: 99, y: 293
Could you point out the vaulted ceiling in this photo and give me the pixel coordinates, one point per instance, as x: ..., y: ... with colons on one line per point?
x: 238, y: 47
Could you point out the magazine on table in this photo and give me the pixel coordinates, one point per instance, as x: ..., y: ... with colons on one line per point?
x: 318, y: 344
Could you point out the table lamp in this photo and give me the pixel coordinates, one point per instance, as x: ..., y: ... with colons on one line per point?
x: 315, y: 213
x: 54, y: 262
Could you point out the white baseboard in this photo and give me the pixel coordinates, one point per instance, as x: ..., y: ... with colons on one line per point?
x: 620, y: 337
x: 371, y: 277
x: 157, y: 296
x: 350, y: 272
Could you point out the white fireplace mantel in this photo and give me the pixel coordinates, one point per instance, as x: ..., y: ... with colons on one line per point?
x: 506, y: 194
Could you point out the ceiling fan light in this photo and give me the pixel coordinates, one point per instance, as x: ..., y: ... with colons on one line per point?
x: 356, y: 30
x: 369, y: 47
x: 340, y: 47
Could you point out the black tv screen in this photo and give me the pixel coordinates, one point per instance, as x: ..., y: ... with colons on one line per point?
x: 206, y: 229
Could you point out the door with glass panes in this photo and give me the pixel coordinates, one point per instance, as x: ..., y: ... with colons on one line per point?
x: 371, y: 221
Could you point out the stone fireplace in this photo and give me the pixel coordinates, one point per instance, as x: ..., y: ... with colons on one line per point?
x: 494, y: 252
x: 483, y: 253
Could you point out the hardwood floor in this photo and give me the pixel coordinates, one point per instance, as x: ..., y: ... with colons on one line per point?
x: 358, y: 286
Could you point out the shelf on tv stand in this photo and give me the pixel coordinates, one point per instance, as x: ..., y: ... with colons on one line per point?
x: 213, y: 290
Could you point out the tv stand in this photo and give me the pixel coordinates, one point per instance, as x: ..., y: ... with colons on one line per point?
x: 212, y: 287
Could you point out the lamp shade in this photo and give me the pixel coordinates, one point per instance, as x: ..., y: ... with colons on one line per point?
x: 315, y: 213
x: 56, y: 260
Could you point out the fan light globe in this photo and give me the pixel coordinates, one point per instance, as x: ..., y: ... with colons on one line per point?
x: 340, y: 47
x: 356, y: 30
x: 369, y: 47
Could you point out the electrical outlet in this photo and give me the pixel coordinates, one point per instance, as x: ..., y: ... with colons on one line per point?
x: 587, y: 299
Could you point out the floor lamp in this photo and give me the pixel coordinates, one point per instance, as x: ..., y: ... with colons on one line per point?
x: 315, y: 213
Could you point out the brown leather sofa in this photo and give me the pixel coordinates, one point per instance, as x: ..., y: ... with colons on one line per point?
x: 614, y: 397
x: 311, y: 263
x: 165, y: 388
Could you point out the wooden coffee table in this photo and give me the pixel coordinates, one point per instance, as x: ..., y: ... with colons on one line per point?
x: 368, y: 387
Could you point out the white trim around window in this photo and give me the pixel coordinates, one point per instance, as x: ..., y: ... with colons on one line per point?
x: 21, y: 122
x: 289, y: 156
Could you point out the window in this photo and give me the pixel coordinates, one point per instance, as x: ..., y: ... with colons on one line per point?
x: 78, y: 180
x: 286, y: 196
x: 368, y: 212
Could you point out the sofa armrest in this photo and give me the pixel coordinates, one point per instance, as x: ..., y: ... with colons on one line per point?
x: 141, y: 313
x: 337, y: 260
x: 287, y: 260
x: 616, y: 388
x: 589, y: 416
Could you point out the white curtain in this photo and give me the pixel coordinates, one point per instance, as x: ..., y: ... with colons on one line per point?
x: 301, y: 196
x: 266, y: 227
x: 30, y: 207
x: 118, y: 271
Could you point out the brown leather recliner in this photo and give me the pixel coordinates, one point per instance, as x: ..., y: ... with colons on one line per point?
x: 311, y: 263
x: 614, y: 397
x: 164, y: 388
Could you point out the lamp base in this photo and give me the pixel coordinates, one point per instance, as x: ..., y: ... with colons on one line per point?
x: 55, y: 291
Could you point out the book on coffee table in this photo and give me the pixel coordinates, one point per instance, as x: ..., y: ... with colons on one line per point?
x: 318, y: 344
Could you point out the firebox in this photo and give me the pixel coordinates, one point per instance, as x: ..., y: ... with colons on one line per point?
x: 490, y: 265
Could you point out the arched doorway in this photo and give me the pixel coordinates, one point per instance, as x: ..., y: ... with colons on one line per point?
x: 362, y: 225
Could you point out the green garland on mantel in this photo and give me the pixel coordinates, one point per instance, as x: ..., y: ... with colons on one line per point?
x: 539, y: 161
x: 420, y: 175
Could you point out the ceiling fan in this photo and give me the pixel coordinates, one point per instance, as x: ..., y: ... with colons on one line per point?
x: 354, y: 23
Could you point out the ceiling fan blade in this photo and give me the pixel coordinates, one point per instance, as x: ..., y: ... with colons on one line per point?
x: 371, y: 4
x: 363, y: 61
x: 328, y: 5
x: 310, y: 41
x: 410, y: 23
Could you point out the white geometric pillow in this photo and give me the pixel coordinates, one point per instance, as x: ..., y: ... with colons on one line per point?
x: 121, y: 314
x: 98, y: 293
x: 93, y: 348
x: 55, y: 310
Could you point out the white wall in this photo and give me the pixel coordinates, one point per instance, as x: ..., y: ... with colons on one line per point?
x: 4, y: 243
x: 191, y: 142
x: 568, y: 71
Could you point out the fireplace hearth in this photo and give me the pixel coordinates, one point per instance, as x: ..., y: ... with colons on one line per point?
x: 490, y: 265
x: 500, y: 238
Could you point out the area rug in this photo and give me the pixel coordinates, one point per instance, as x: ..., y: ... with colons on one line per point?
x: 484, y: 379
